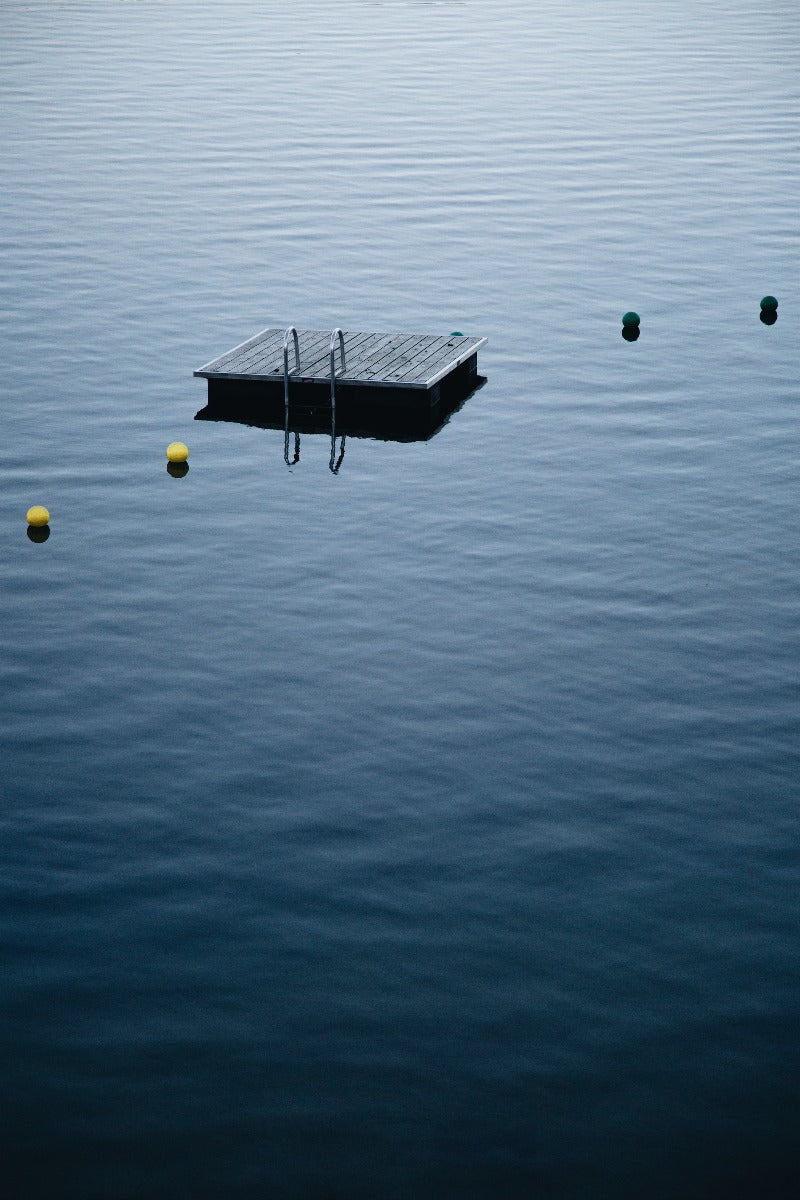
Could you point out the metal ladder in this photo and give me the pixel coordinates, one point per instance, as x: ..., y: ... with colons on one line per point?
x: 292, y: 332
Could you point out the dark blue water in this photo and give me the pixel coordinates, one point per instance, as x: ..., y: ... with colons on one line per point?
x: 429, y: 829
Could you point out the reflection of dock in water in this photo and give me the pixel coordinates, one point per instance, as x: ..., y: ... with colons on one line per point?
x: 401, y: 388
x: 357, y: 417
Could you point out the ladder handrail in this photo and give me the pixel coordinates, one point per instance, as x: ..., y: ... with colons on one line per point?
x: 293, y: 332
x: 334, y: 334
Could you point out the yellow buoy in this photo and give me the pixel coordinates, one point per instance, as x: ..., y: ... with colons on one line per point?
x: 177, y: 452
x: 37, y: 516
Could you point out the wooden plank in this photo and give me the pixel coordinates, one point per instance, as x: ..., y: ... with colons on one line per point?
x: 314, y: 356
x: 418, y: 346
x: 245, y: 359
x: 223, y: 358
x: 395, y: 360
x: 376, y: 370
x: 469, y: 351
x: 258, y: 358
x: 411, y: 367
x: 381, y: 353
x: 377, y: 347
x: 362, y: 351
x: 403, y: 353
x: 441, y: 351
x: 320, y: 369
x: 366, y: 356
x: 263, y: 355
x: 440, y: 361
x: 313, y: 352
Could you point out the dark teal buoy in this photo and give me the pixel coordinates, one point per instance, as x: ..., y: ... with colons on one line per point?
x: 456, y: 333
x: 630, y: 326
x: 769, y: 304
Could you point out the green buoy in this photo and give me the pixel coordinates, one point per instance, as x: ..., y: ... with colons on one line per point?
x: 458, y: 333
x: 769, y: 304
x: 630, y: 320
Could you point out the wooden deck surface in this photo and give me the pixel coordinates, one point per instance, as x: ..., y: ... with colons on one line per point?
x: 395, y: 360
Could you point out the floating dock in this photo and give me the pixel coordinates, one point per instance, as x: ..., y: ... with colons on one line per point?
x: 386, y: 367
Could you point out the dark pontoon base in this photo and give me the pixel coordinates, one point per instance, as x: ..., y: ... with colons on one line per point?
x: 393, y: 414
x: 460, y: 381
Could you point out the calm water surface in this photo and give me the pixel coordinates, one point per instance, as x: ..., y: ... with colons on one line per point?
x: 428, y: 829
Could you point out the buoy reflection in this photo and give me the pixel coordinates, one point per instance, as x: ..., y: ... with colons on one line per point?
x: 768, y: 316
x: 630, y: 332
x: 177, y: 469
x: 38, y: 533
